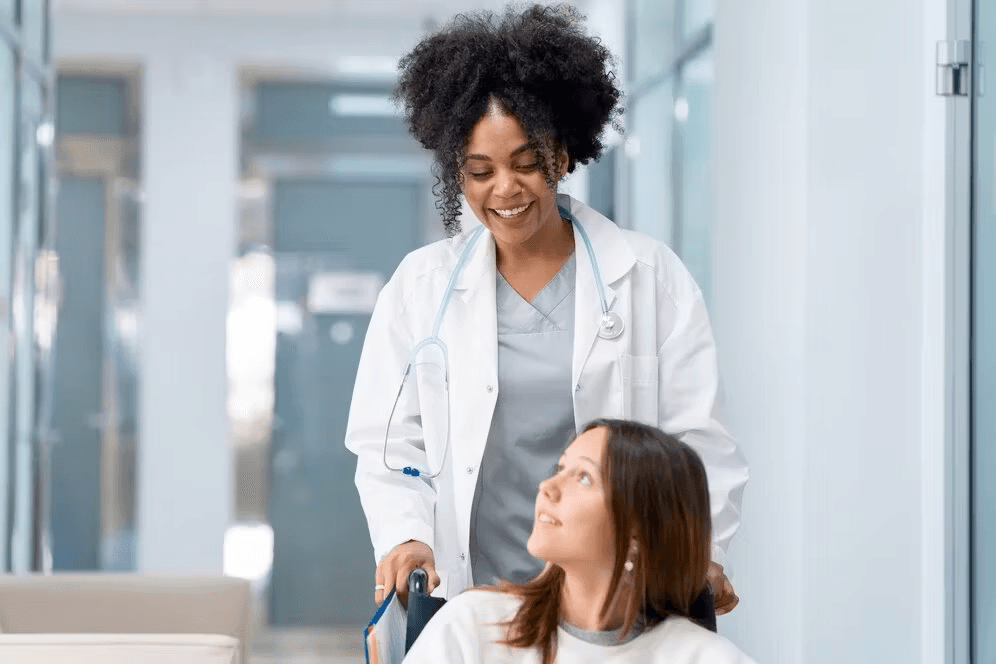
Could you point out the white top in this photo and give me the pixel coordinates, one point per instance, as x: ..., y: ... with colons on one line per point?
x: 661, y: 370
x: 467, y: 629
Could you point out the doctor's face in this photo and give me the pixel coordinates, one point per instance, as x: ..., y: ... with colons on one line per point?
x: 504, y: 185
x: 573, y: 524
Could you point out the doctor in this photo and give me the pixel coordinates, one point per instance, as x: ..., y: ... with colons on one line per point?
x: 515, y: 333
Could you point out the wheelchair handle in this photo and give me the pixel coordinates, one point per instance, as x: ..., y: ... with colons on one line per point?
x: 418, y: 581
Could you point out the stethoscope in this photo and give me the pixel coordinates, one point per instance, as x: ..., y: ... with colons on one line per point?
x: 610, y: 326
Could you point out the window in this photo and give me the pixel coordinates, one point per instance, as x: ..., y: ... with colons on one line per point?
x: 668, y: 150
x: 27, y: 281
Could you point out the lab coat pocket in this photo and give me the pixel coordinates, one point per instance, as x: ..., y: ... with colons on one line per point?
x: 639, y: 382
x: 433, y: 399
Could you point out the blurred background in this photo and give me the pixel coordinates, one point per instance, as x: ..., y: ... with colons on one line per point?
x: 203, y: 198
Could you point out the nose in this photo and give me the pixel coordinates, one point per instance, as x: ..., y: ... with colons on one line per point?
x: 507, y: 184
x: 550, y: 488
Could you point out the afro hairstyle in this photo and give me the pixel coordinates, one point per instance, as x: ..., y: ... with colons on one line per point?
x: 537, y: 64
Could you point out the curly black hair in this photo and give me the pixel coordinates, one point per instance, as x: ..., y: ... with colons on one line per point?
x: 537, y: 64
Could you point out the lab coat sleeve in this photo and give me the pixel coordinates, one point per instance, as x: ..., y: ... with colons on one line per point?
x: 398, y: 507
x: 691, y: 408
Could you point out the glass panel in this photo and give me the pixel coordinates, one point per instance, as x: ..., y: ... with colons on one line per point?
x: 698, y: 13
x: 694, y: 112
x: 984, y: 338
x: 92, y: 105
x: 26, y: 244
x: 7, y: 12
x: 7, y: 88
x: 652, y: 29
x: 648, y: 149
x: 93, y: 469
x: 602, y: 183
x: 33, y: 24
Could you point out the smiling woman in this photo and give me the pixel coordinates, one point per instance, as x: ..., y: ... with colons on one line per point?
x: 623, y: 525
x: 514, y: 340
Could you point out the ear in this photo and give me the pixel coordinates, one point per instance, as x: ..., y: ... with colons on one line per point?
x: 563, y: 161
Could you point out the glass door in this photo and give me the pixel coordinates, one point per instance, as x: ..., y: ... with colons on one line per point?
x: 984, y: 338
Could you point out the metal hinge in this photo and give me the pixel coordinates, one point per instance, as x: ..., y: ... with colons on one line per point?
x: 954, y: 59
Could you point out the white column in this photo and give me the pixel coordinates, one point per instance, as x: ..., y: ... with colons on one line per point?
x: 759, y: 259
x: 185, y: 485
x: 824, y: 122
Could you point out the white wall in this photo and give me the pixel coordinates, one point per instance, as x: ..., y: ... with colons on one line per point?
x: 190, y: 171
x: 829, y: 180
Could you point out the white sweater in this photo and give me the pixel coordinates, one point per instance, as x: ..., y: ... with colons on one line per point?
x: 467, y: 629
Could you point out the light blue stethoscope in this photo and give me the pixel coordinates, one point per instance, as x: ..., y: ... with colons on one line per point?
x: 610, y: 326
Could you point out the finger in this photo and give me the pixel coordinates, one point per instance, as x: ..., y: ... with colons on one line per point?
x: 401, y: 579
x: 726, y: 599
x: 434, y: 579
x: 728, y: 605
x: 384, y: 579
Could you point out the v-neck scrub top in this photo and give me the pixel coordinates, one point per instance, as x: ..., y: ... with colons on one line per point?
x: 533, y: 422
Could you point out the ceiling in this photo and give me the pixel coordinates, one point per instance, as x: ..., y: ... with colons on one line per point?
x: 356, y: 8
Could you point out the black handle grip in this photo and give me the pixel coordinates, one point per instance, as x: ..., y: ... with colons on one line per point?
x: 418, y: 581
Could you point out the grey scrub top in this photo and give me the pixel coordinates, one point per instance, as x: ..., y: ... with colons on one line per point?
x: 533, y: 422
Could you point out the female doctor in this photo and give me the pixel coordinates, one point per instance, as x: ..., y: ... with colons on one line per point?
x: 487, y: 350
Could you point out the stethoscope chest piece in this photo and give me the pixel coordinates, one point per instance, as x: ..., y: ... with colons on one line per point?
x: 611, y: 325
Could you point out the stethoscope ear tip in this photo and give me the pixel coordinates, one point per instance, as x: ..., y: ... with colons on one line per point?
x: 408, y: 470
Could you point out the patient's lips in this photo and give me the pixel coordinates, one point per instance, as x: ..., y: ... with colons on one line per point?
x: 543, y: 517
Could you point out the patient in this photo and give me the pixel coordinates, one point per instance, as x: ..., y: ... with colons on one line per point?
x: 624, y: 527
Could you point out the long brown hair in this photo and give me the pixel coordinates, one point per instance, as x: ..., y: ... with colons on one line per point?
x: 658, y: 495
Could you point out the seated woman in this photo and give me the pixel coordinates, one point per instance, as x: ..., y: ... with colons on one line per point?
x: 624, y: 527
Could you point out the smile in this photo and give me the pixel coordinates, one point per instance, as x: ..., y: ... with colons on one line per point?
x: 513, y: 212
x: 543, y: 517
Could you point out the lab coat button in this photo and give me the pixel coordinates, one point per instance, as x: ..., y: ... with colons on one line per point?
x: 470, y: 470
x: 491, y: 388
x: 463, y: 556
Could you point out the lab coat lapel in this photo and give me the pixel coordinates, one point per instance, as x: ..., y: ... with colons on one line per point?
x: 587, y: 309
x: 615, y: 259
x: 473, y: 348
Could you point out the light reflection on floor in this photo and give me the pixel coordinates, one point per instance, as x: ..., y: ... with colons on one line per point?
x: 308, y: 646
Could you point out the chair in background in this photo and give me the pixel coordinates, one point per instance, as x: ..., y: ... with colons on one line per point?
x: 118, y: 649
x: 98, y: 603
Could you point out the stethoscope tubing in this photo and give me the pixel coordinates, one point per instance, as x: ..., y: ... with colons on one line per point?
x: 611, y: 326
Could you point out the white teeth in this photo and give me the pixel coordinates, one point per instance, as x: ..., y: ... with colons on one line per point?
x: 512, y: 212
x: 547, y: 519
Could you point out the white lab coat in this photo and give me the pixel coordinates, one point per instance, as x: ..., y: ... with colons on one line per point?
x: 469, y: 628
x: 661, y: 370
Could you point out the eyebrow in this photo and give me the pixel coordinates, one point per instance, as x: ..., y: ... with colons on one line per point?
x: 588, y: 459
x: 515, y: 153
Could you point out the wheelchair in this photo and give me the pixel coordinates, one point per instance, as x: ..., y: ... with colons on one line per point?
x: 422, y: 606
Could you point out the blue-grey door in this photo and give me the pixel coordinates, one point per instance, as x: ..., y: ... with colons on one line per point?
x: 323, y: 561
x: 984, y: 338
x: 76, y: 457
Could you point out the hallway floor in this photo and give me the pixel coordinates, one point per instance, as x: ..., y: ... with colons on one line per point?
x: 308, y: 646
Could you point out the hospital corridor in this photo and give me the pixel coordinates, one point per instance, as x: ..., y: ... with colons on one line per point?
x: 250, y: 382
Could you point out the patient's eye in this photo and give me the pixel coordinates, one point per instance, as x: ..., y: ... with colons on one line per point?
x: 585, y: 479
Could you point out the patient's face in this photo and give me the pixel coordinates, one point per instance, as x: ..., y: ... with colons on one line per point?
x: 573, y: 524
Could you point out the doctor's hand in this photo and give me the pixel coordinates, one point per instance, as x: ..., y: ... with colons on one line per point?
x: 723, y: 595
x: 398, y: 565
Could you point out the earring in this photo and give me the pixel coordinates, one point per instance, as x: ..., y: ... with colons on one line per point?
x: 633, y: 549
